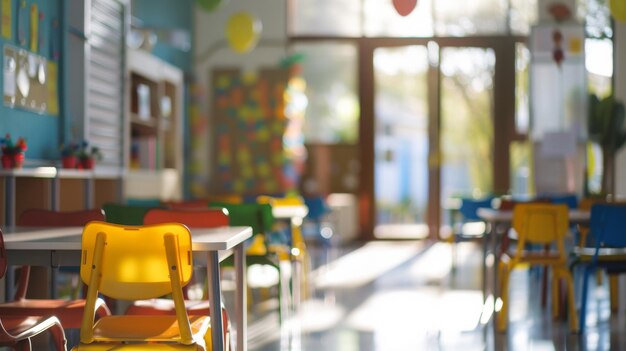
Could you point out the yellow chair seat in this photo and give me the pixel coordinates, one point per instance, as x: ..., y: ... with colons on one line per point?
x: 153, y: 328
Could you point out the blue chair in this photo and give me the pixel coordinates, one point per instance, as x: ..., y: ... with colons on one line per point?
x: 312, y: 228
x: 608, y: 228
x: 470, y: 227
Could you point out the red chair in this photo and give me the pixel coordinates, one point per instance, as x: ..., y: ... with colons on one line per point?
x: 187, y: 204
x: 192, y: 218
x: 69, y: 312
x: 16, y: 331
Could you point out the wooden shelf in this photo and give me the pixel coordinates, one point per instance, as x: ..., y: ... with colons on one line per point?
x: 154, y: 143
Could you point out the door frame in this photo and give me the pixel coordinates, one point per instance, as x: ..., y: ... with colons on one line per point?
x: 503, y: 114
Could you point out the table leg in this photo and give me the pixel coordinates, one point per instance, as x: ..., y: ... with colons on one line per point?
x: 215, y: 299
x: 241, y: 310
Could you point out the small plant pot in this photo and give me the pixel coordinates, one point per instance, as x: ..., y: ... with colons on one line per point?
x: 87, y: 163
x: 18, y: 160
x: 69, y: 161
x: 13, y: 160
x: 7, y: 161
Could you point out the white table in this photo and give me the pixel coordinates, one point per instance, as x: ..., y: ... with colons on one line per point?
x: 55, y: 247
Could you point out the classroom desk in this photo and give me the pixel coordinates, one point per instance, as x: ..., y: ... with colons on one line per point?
x: 496, y: 218
x: 55, y: 247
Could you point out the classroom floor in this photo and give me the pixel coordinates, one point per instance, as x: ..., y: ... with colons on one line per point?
x: 404, y: 295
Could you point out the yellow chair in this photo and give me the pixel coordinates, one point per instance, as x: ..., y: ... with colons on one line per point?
x: 134, y: 263
x: 298, y: 250
x: 542, y: 224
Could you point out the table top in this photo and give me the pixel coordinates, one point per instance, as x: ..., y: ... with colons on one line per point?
x: 493, y: 215
x: 291, y: 211
x: 69, y: 238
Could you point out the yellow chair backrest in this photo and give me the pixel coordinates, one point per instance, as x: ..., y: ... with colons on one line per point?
x: 280, y: 201
x: 135, y: 261
x: 540, y: 223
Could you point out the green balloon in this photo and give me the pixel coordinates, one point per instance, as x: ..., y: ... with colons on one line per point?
x: 210, y: 5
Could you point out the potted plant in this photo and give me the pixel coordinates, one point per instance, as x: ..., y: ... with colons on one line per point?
x: 69, y: 155
x: 12, y: 153
x: 88, y: 155
x: 606, y: 127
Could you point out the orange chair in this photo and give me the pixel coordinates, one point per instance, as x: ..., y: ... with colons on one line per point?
x: 137, y: 263
x: 187, y: 204
x: 200, y: 218
x: 542, y: 224
x: 16, y: 331
x: 69, y: 312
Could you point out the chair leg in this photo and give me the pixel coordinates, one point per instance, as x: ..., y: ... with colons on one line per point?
x: 58, y: 335
x: 556, y: 281
x: 502, y: 317
x: 583, y: 301
x: 573, y: 316
x: 614, y: 292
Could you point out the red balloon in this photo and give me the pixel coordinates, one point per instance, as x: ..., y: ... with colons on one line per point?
x: 404, y: 7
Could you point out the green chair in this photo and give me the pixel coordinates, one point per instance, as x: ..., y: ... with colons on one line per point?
x: 260, y: 218
x: 126, y: 214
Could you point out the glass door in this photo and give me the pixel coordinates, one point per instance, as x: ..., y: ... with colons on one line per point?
x: 419, y: 166
x: 401, y: 141
x: 466, y: 128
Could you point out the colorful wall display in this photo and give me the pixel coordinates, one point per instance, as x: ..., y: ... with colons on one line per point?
x: 249, y: 125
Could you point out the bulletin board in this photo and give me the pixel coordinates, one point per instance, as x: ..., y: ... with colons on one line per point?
x: 248, y: 126
x: 29, y: 81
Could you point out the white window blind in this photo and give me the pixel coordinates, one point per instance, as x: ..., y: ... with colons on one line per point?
x: 105, y: 80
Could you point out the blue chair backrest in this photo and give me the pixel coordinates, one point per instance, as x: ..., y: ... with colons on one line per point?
x: 469, y: 207
x: 317, y: 207
x: 608, y: 225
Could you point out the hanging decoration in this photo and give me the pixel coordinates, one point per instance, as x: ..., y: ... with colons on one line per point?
x: 557, y: 53
x: 211, y: 5
x: 243, y: 31
x: 618, y: 9
x: 560, y: 11
x: 404, y: 7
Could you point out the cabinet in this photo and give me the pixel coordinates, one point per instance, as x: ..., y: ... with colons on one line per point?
x: 155, y: 113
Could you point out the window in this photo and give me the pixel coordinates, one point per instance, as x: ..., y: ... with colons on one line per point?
x: 330, y: 72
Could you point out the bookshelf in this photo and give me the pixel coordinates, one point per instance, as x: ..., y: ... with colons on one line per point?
x: 154, y: 152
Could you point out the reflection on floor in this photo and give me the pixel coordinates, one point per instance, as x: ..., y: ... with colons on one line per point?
x: 402, y: 296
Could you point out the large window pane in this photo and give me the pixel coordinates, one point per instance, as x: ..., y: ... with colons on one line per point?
x: 464, y: 18
x: 382, y: 20
x: 599, y: 64
x: 330, y: 70
x: 401, y: 141
x: 326, y: 17
x: 522, y: 86
x: 523, y: 15
x: 466, y: 121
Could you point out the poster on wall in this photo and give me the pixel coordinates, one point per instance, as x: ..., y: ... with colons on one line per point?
x: 249, y: 124
x: 28, y: 82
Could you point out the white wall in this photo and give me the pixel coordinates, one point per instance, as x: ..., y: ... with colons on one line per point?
x: 620, y: 93
x: 211, y: 49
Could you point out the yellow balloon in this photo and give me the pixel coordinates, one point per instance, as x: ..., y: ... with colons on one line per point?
x: 242, y: 31
x: 618, y: 9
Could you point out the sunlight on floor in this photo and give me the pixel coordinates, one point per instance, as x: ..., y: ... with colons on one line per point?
x: 365, y: 264
x: 401, y: 231
x: 423, y: 309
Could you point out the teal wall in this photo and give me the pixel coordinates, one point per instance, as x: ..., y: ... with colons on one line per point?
x: 44, y: 133
x: 163, y: 15
x: 41, y: 131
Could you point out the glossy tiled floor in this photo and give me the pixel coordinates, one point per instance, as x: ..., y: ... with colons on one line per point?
x: 395, y: 296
